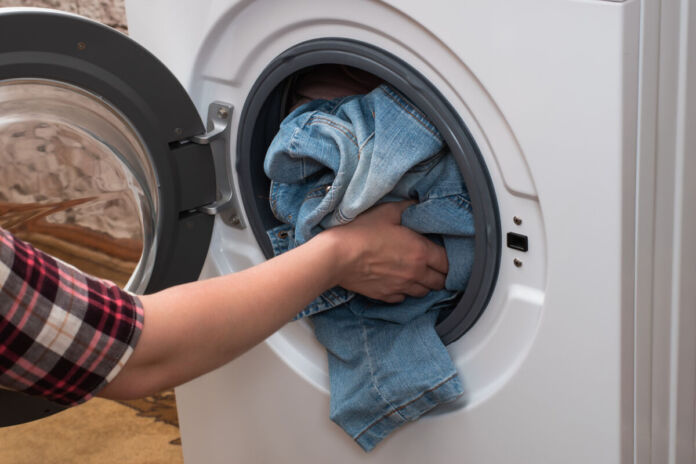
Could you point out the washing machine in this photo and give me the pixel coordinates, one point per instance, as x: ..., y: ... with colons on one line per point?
x: 573, y: 345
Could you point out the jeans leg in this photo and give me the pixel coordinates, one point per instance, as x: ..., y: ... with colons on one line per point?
x: 383, y: 374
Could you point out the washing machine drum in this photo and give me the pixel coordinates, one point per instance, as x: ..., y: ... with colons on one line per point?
x: 105, y: 162
x: 261, y: 117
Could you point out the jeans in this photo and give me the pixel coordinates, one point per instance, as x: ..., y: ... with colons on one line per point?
x: 331, y: 161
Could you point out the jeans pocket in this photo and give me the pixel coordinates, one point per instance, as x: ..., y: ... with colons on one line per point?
x: 460, y: 200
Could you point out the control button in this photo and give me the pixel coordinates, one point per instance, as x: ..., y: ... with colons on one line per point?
x: 517, y: 241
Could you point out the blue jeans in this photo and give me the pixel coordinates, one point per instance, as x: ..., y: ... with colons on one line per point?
x: 331, y: 161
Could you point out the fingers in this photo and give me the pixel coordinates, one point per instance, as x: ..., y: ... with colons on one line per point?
x: 423, y: 284
x: 417, y: 290
x: 426, y: 266
x: 387, y: 260
x: 396, y: 298
x: 401, y: 206
x: 432, y: 279
x: 436, y: 257
x: 392, y: 211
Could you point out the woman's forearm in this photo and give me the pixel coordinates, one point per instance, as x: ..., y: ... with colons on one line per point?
x: 194, y: 328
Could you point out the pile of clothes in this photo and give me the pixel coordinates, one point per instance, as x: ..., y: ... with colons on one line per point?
x: 351, y: 142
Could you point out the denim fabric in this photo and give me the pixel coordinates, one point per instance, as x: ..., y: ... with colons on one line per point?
x: 331, y: 161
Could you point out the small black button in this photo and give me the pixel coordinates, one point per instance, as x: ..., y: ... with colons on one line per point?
x: 517, y: 241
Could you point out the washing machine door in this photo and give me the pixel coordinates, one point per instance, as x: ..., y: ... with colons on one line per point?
x: 104, y: 160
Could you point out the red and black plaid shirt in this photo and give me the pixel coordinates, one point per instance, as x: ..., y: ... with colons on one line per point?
x: 63, y: 335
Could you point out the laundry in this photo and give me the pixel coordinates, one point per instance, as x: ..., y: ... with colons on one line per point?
x: 330, y: 161
x: 327, y: 82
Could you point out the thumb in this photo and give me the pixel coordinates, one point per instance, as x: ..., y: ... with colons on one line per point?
x: 397, y: 208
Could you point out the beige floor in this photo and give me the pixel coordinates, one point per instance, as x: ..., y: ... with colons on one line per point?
x: 98, y: 432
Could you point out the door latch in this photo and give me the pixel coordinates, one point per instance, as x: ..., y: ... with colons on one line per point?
x: 218, y: 137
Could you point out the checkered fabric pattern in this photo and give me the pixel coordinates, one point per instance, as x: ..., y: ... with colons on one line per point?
x: 63, y: 335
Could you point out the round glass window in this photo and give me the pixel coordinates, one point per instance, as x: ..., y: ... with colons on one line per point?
x: 76, y: 180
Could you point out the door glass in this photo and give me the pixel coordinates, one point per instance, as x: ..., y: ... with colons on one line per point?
x: 76, y: 180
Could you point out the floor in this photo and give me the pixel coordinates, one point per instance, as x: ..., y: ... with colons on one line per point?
x: 99, y: 432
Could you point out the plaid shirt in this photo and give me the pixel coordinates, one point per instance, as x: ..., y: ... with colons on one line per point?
x: 63, y: 335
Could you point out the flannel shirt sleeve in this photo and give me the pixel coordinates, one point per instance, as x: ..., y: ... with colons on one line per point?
x: 63, y: 334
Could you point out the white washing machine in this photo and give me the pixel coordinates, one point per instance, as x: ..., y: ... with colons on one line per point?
x: 573, y: 344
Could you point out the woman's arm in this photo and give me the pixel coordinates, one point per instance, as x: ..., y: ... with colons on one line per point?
x: 194, y: 328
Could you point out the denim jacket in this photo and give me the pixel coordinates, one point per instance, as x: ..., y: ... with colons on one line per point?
x: 331, y: 161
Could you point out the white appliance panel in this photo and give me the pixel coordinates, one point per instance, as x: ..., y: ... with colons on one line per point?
x: 548, y: 90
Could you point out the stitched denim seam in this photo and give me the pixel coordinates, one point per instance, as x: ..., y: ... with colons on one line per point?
x: 316, y: 192
x: 428, y: 164
x: 449, y: 193
x: 337, y: 102
x: 293, y: 148
x: 431, y: 355
x: 372, y: 370
x: 458, y: 199
x: 413, y: 113
x: 341, y: 128
x: 404, y: 102
x: 340, y: 217
x: 362, y: 145
x: 274, y: 201
x: 396, y: 410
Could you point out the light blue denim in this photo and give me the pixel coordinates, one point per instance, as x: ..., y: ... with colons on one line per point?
x: 331, y: 161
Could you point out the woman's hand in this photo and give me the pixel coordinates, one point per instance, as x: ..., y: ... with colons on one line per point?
x: 381, y: 259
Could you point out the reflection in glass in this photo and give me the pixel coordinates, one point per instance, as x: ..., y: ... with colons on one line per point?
x: 76, y: 180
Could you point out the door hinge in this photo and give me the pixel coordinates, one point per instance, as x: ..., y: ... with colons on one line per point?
x: 226, y: 206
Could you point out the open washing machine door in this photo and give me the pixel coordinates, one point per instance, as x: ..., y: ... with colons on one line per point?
x: 104, y: 160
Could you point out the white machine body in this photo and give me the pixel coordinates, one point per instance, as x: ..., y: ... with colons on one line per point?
x: 554, y: 93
